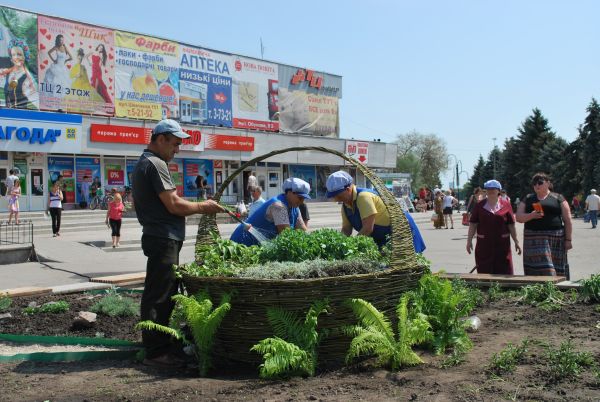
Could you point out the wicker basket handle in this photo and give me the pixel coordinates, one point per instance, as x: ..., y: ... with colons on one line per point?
x: 403, y: 252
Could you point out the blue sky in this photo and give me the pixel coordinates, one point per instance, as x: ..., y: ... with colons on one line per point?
x: 468, y: 71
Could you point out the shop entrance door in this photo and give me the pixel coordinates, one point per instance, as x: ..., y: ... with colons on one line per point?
x: 36, y: 183
x: 274, y: 184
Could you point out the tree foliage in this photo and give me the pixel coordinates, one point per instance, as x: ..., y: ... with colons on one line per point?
x: 589, y: 136
x: 425, y: 155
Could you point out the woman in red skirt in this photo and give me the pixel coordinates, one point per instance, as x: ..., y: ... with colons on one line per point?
x: 493, y: 221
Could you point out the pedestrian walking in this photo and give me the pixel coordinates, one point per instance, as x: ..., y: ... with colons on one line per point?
x: 114, y: 216
x: 592, y: 202
x: 55, y: 198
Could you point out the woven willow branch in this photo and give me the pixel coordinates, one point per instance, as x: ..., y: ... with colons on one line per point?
x: 403, y: 252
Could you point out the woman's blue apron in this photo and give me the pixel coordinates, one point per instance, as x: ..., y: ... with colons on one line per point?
x: 259, y: 222
x: 380, y: 233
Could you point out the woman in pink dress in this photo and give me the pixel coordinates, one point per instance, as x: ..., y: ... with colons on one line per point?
x: 493, y: 220
x: 98, y: 60
x: 13, y: 202
x: 114, y: 215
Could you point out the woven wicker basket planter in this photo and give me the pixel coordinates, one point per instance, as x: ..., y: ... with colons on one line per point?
x: 246, y: 323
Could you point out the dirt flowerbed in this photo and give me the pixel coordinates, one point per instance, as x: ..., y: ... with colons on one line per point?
x: 436, y: 380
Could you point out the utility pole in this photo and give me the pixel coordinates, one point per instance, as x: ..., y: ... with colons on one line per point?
x: 494, y: 156
x: 262, y: 50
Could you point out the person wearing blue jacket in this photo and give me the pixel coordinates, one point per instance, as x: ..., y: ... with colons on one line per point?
x: 275, y: 215
x: 363, y: 210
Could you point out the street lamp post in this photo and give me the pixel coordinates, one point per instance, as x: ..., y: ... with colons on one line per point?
x: 457, y: 173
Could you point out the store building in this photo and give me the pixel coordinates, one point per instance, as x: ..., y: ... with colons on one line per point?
x: 46, y: 147
x: 79, y: 102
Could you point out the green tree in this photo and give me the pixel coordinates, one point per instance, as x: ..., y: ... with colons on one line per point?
x: 589, y: 134
x: 523, y: 156
x: 426, y: 153
x: 493, y: 166
x: 477, y: 177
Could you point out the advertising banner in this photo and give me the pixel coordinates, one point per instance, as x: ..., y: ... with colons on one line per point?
x: 33, y: 131
x: 310, y: 81
x: 88, y: 170
x: 62, y: 169
x: 147, y: 77
x: 255, y: 88
x: 198, y: 176
x: 18, y: 59
x: 176, y: 171
x: 358, y: 150
x: 308, y: 114
x: 130, y: 168
x: 115, y: 174
x: 76, y: 67
x: 21, y: 165
x: 119, y: 134
x: 228, y: 142
x: 205, y: 87
x: 195, y: 142
x: 306, y: 173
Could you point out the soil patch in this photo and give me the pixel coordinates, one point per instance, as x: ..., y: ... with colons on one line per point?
x: 502, y: 322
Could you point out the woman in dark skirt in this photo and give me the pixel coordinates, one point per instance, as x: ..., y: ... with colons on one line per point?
x: 548, y: 229
x: 492, y: 219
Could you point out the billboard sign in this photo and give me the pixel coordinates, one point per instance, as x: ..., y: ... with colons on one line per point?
x: 255, y: 94
x: 205, y: 87
x: 147, y: 77
x: 76, y: 67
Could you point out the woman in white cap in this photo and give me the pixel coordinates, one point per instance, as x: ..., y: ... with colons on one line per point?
x: 364, y: 211
x: 493, y: 221
x: 275, y: 215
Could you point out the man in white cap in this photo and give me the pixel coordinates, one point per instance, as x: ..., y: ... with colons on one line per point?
x: 364, y: 211
x: 161, y: 212
x: 592, y: 202
x: 275, y: 215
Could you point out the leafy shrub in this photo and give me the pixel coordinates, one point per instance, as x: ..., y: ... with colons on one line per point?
x: 494, y: 292
x: 197, y: 313
x: 566, y: 363
x: 374, y: 335
x: 472, y: 296
x: 293, y: 349
x: 52, y: 308
x: 545, y: 296
x: 115, y: 305
x: 326, y: 244
x: 5, y: 302
x: 590, y: 289
x: 310, y: 269
x: 444, y: 306
x: 507, y: 359
x: 223, y: 258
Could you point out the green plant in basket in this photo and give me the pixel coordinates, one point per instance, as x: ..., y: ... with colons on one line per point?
x: 293, y: 349
x: 197, y: 313
x: 444, y: 306
x: 223, y: 257
x: 326, y: 244
x: 374, y: 335
x: 115, y: 305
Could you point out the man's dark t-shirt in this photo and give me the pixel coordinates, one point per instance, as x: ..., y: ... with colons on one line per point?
x: 150, y: 178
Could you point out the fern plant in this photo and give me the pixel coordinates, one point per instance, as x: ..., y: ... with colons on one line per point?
x: 197, y: 312
x: 374, y: 335
x: 444, y: 306
x: 293, y: 349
